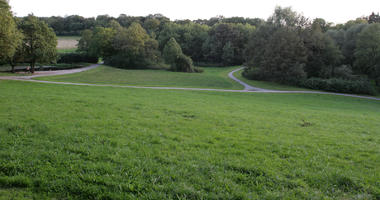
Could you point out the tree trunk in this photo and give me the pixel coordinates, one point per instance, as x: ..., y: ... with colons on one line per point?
x: 13, y: 67
x: 32, y: 66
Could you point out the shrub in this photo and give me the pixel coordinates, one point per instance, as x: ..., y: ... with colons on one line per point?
x: 254, y: 73
x: 128, y: 61
x: 76, y: 58
x: 340, y: 85
x: 183, y: 64
x: 198, y: 70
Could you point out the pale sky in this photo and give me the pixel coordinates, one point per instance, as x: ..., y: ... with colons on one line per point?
x: 336, y: 11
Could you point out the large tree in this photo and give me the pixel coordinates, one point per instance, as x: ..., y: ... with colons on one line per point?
x: 367, y: 52
x: 39, y: 43
x: 324, y: 55
x: 133, y: 48
x: 10, y: 37
x: 171, y: 51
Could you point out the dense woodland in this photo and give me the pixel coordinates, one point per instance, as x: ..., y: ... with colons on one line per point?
x: 286, y: 48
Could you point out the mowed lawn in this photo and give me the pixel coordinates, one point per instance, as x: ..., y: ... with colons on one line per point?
x: 212, y: 77
x: 83, y: 142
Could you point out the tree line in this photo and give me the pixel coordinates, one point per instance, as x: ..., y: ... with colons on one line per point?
x: 25, y: 40
x: 286, y: 48
x: 289, y: 48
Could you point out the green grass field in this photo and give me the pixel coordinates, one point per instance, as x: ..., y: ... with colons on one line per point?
x: 11, y: 74
x: 212, y: 77
x: 82, y: 142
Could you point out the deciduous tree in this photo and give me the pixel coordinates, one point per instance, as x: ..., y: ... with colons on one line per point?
x: 10, y: 37
x: 367, y: 52
x: 39, y: 43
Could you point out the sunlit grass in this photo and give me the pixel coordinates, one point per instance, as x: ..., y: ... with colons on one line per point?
x: 81, y: 142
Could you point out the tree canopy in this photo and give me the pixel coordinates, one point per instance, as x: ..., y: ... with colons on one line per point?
x: 39, y: 42
x: 10, y: 38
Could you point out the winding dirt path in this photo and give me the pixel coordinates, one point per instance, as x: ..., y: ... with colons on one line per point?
x: 247, y: 88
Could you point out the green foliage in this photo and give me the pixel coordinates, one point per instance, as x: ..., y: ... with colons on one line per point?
x: 288, y: 47
x: 367, y: 52
x: 349, y: 45
x: 133, y: 48
x: 282, y: 56
x: 286, y: 17
x: 340, y: 85
x: 99, y: 42
x: 183, y: 63
x: 212, y: 145
x: 122, y: 47
x: 76, y: 58
x: 323, y: 54
x: 228, y: 54
x: 10, y: 37
x: 39, y: 42
x: 179, y: 62
x: 171, y: 51
x: 85, y: 41
x: 190, y: 37
x: 220, y: 35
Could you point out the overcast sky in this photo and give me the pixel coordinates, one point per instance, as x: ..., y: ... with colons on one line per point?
x: 337, y: 11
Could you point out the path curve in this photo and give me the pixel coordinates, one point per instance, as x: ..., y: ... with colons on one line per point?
x: 247, y: 88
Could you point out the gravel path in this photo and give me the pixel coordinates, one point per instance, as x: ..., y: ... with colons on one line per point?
x: 247, y: 88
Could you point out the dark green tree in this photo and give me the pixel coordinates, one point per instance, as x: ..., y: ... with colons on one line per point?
x: 171, y: 51
x: 183, y: 63
x: 324, y: 55
x: 349, y: 45
x: 367, y: 52
x: 228, y: 54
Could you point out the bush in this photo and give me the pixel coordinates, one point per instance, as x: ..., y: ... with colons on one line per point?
x: 127, y: 61
x: 76, y: 58
x: 183, y: 64
x: 340, y: 85
x: 254, y: 73
x: 198, y: 70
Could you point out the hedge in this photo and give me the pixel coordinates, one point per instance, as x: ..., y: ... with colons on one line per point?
x: 340, y: 85
x: 76, y: 58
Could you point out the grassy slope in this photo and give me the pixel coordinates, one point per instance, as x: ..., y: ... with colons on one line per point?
x: 97, y: 142
x: 268, y: 85
x: 211, y: 78
x: 11, y: 74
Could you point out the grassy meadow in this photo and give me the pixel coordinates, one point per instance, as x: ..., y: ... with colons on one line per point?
x: 83, y: 142
x: 212, y: 77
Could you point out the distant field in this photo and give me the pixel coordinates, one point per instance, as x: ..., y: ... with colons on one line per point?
x: 81, y: 142
x: 212, y: 77
x: 68, y: 43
